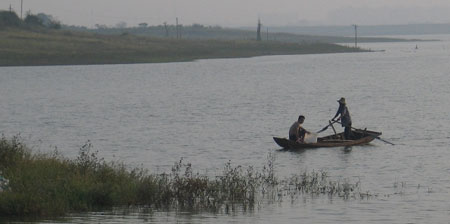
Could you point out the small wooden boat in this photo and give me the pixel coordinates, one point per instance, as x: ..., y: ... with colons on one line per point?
x: 360, y: 137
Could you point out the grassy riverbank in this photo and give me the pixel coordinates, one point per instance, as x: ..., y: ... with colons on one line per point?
x: 26, y: 47
x: 42, y: 185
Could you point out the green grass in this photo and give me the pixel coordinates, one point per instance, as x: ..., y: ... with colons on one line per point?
x: 44, y: 185
x: 23, y: 47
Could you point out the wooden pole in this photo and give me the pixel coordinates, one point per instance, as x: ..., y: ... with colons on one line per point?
x: 258, y: 31
x: 177, y: 29
x: 166, y: 29
x: 331, y: 124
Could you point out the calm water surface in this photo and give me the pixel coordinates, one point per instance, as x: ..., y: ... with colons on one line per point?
x: 212, y: 111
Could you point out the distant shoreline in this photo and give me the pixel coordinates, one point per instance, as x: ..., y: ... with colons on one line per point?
x: 27, y: 47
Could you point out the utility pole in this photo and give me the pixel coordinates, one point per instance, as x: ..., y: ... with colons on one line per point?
x: 10, y: 8
x: 167, y: 29
x: 178, y: 34
x: 267, y: 33
x: 21, y: 8
x: 356, y: 35
x: 258, y: 31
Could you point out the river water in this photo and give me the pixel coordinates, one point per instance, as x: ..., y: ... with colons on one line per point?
x: 209, y: 112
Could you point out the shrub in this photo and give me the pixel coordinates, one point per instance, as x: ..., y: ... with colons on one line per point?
x: 11, y: 152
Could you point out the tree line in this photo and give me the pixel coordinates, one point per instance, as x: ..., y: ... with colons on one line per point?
x: 11, y: 19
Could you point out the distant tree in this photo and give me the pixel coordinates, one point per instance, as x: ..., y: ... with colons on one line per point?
x: 49, y: 21
x: 9, y: 18
x: 143, y: 25
x: 197, y: 26
x: 55, y: 25
x: 101, y: 26
x: 46, y: 19
x: 33, y: 20
x: 77, y: 28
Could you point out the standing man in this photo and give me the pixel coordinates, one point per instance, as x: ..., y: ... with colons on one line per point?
x: 297, y: 132
x: 346, y: 120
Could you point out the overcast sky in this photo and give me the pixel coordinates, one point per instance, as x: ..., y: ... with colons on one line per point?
x: 233, y: 13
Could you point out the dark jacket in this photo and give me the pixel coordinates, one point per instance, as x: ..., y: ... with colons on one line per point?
x: 346, y: 120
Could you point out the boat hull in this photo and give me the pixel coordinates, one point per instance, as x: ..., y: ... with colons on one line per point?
x: 361, y: 137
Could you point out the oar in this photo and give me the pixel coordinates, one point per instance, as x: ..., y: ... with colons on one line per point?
x: 382, y: 139
x: 370, y: 135
x: 334, y: 130
x: 326, y: 127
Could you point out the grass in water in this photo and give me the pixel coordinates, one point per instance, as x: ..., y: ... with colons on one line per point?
x: 51, y: 185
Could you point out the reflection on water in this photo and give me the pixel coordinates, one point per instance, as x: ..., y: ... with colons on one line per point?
x: 347, y: 149
x: 212, y: 111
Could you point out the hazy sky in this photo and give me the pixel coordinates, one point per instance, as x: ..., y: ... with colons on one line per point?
x: 231, y: 13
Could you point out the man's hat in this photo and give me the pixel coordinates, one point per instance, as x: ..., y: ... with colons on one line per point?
x: 342, y: 100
